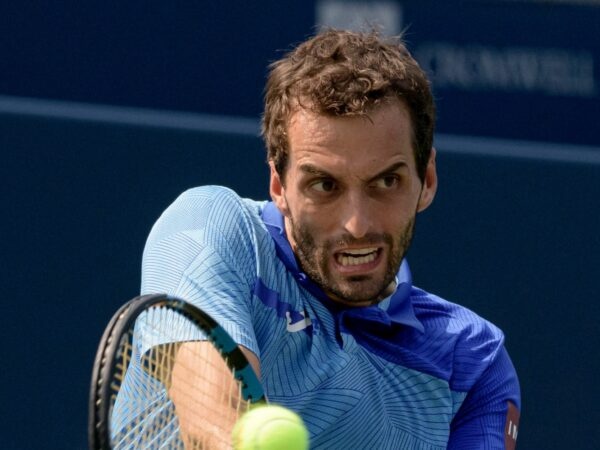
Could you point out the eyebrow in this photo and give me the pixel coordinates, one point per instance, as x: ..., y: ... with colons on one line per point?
x: 314, y: 170
x: 391, y: 169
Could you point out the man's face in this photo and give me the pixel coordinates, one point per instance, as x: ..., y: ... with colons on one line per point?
x: 350, y: 196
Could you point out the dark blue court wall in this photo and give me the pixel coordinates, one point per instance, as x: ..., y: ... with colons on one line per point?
x: 522, y: 69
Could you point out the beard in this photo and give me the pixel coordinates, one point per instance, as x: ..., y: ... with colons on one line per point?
x: 314, y: 259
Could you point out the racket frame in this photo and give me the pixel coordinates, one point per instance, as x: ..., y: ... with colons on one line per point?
x: 122, y: 321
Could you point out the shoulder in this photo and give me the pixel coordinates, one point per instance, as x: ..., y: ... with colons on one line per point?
x: 471, y: 342
x: 205, y: 230
x: 437, y: 313
x: 206, y: 210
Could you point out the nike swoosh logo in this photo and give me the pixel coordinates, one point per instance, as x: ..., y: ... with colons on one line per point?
x: 299, y: 325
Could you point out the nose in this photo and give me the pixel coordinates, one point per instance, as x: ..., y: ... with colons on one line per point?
x: 357, y: 218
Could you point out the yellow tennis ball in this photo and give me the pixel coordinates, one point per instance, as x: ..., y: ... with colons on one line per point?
x: 270, y: 427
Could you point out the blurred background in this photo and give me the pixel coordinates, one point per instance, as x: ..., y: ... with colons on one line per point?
x: 109, y: 110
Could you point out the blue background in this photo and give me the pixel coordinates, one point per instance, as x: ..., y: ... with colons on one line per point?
x: 513, y: 237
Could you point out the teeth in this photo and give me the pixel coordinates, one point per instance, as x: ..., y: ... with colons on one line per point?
x: 357, y: 257
x: 361, y: 251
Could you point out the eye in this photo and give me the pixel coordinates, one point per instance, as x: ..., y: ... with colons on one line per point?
x: 387, y: 181
x: 324, y: 185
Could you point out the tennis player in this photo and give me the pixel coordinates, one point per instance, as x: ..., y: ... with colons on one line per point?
x: 314, y: 285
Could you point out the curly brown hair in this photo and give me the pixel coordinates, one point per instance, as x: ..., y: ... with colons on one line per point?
x: 346, y: 73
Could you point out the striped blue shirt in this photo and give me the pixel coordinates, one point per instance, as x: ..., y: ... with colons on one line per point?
x: 413, y: 372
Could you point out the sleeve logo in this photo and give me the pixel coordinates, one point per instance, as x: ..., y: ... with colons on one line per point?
x: 511, y: 429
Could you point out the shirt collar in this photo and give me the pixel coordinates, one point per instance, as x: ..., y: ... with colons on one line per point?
x: 397, y: 308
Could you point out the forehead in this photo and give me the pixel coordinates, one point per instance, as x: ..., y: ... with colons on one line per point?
x: 354, y: 144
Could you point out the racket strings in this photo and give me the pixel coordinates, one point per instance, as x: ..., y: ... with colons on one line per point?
x: 122, y: 363
x: 217, y: 401
x: 141, y: 418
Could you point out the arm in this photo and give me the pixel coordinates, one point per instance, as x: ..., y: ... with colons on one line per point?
x: 488, y: 418
x: 206, y: 410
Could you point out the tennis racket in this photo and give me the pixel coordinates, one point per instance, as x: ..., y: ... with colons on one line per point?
x: 166, y: 375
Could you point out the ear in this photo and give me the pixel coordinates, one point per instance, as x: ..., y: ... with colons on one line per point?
x: 277, y: 190
x: 429, y: 184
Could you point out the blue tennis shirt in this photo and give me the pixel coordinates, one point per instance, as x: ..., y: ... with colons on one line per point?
x: 412, y: 372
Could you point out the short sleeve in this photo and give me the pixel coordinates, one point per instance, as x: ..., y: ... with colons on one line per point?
x: 488, y: 417
x: 202, y: 249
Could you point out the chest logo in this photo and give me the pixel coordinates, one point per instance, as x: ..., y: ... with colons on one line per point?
x: 299, y: 324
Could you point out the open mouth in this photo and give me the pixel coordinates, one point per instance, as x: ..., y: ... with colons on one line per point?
x: 357, y: 257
